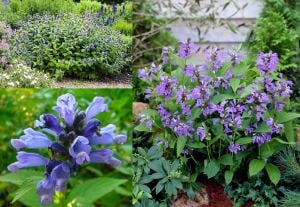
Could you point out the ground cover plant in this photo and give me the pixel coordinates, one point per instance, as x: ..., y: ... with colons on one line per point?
x: 220, y: 120
x: 81, y: 40
x: 102, y: 179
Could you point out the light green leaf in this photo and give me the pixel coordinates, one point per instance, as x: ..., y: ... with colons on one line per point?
x: 256, y: 166
x: 19, y: 177
x: 235, y: 84
x: 93, y: 189
x: 282, y: 117
x: 226, y: 159
x: 180, y: 144
x: 273, y: 173
x: 211, y: 169
x: 289, y: 131
x: 197, y: 145
x: 224, y: 69
x: 228, y: 176
x: 244, y: 140
x: 220, y: 97
x: 142, y: 128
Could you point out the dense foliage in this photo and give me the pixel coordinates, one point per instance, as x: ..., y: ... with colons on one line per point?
x: 78, y: 46
x: 86, y: 40
x: 104, y: 186
x: 220, y: 116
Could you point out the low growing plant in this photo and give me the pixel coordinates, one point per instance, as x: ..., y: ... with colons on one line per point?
x: 223, y: 116
x: 78, y: 46
x: 22, y: 76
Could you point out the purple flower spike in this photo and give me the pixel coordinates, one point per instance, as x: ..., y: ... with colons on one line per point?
x: 186, y: 49
x: 72, y: 146
x: 267, y: 62
x: 31, y: 140
x: 80, y: 150
x: 96, y: 107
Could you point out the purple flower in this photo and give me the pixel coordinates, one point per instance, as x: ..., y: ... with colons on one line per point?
x: 267, y: 62
x: 186, y: 49
x: 216, y: 57
x: 80, y: 150
x: 31, y: 140
x: 275, y: 128
x: 261, y: 138
x: 66, y: 106
x: 250, y: 129
x: 189, y: 70
x: 164, y: 114
x: 149, y: 74
x: 234, y: 148
x: 236, y: 58
x: 201, y: 133
x: 209, y: 109
x: 104, y: 156
x: 72, y: 145
x: 165, y: 87
x: 96, y: 107
x: 26, y: 159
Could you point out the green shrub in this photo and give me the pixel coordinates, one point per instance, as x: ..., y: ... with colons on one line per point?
x: 18, y: 10
x: 88, y: 6
x: 124, y: 27
x: 272, y: 33
x: 72, y: 45
x: 21, y: 76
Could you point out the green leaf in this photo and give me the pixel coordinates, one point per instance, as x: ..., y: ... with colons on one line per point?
x: 242, y: 68
x: 28, y: 185
x: 211, y: 169
x: 228, y: 176
x: 235, y: 84
x: 19, y: 177
x: 224, y: 69
x: 180, y: 145
x: 283, y: 117
x: 142, y: 128
x: 282, y: 141
x: 197, y: 145
x: 244, y: 140
x: 273, y: 173
x: 226, y: 159
x: 220, y: 97
x: 93, y: 189
x: 263, y: 128
x: 289, y: 131
x: 195, y: 113
x: 256, y: 166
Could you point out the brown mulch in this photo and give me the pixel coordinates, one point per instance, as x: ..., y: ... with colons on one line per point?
x: 122, y: 81
x: 212, y: 195
x: 137, y: 108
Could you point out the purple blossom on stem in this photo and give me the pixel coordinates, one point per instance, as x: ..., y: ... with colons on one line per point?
x: 165, y: 87
x: 261, y: 138
x: 201, y: 133
x: 216, y: 57
x: 234, y: 148
x: 73, y: 144
x: 186, y: 49
x: 267, y: 62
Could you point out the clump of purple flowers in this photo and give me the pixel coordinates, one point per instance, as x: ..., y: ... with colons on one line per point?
x: 76, y: 135
x: 225, y: 99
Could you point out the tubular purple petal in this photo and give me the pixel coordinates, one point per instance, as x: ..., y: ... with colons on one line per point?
x: 61, y: 172
x: 17, y: 144
x: 96, y: 107
x: 80, y: 149
x: 104, y: 156
x: 121, y: 139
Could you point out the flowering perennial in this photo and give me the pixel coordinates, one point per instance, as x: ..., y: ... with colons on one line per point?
x: 230, y: 105
x: 75, y: 134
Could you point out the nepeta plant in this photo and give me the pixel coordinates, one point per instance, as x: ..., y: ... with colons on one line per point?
x: 73, y: 144
x: 220, y: 105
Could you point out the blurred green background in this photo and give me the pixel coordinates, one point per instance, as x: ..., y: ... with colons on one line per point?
x: 18, y: 110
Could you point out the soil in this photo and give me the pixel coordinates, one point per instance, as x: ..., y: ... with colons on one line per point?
x: 121, y: 81
x: 212, y: 196
x: 137, y: 108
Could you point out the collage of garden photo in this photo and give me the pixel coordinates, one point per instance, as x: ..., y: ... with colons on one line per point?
x: 150, y: 103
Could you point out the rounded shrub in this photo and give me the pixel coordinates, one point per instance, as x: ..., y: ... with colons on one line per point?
x: 73, y: 45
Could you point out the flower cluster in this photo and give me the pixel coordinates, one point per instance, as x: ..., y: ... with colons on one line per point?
x: 22, y: 76
x: 223, y: 95
x: 74, y: 144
